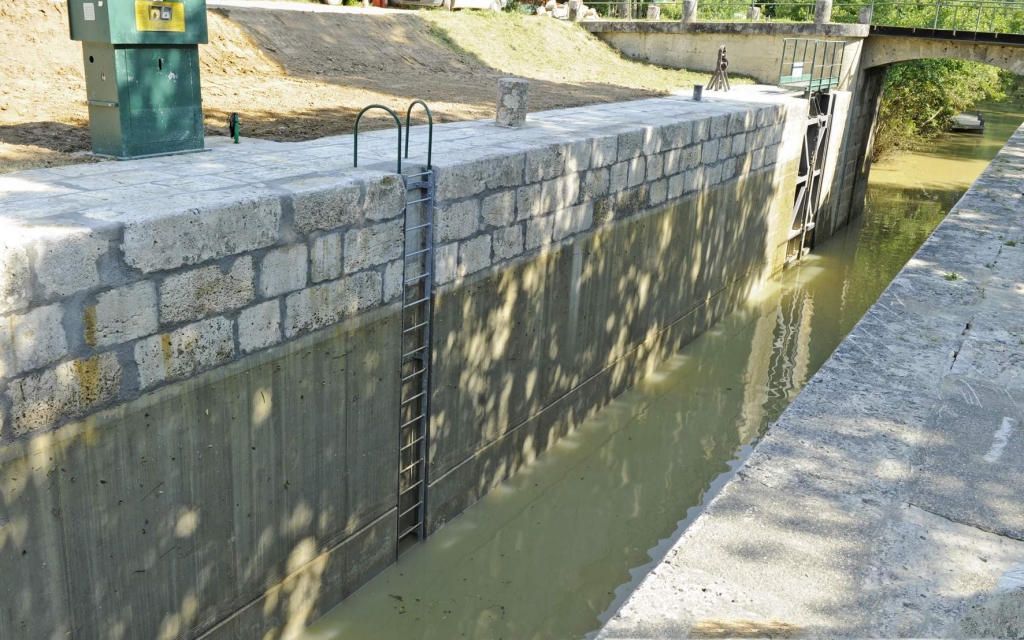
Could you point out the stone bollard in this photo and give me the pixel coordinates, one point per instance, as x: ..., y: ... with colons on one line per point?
x: 823, y: 12
x: 689, y: 11
x: 574, y: 10
x: 865, y: 15
x: 653, y: 12
x: 512, y: 93
x: 754, y: 14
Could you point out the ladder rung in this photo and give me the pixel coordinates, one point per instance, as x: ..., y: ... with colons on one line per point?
x: 413, y: 375
x: 413, y: 421
x: 410, y: 510
x: 422, y: 324
x: 408, y: 400
x: 420, y: 301
x: 411, y: 444
x: 419, y: 226
x: 411, y: 529
x: 416, y: 253
x: 412, y: 466
x: 414, y: 351
x: 419, y: 277
x: 410, y: 487
x: 420, y: 200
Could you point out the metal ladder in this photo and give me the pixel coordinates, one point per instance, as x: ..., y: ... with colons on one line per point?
x: 417, y: 285
x: 417, y: 307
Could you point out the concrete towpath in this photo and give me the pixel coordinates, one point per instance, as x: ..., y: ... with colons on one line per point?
x: 888, y: 500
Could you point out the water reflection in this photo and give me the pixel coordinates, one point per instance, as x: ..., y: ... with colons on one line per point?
x: 554, y: 550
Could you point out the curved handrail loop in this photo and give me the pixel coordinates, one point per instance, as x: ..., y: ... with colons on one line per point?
x: 355, y: 134
x: 430, y: 129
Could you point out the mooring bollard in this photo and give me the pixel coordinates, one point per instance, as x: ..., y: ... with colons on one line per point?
x: 865, y: 15
x: 698, y: 92
x: 689, y: 11
x: 823, y: 12
x: 512, y: 94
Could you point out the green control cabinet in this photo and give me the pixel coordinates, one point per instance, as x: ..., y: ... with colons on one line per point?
x: 142, y: 74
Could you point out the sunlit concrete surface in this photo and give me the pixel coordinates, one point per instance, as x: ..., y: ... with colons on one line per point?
x: 886, y: 501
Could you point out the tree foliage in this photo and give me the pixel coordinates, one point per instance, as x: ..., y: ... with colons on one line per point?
x: 922, y: 96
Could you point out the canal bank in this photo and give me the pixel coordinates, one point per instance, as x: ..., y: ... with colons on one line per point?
x: 885, y: 501
x: 557, y: 549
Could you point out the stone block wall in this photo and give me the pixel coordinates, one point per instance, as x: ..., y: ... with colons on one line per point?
x: 496, y: 210
x: 95, y: 314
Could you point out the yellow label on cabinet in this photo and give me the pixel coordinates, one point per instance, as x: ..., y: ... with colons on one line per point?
x: 159, y: 16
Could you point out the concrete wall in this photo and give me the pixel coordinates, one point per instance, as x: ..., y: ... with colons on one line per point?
x: 635, y: 242
x: 200, y: 391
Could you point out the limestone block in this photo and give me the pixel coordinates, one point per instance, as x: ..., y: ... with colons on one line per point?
x: 595, y: 184
x: 670, y: 161
x: 724, y: 148
x: 757, y: 159
x: 508, y: 242
x: 574, y: 10
x: 560, y: 192
x: 739, y: 144
x: 738, y: 123
x: 65, y: 260
x: 384, y: 198
x: 394, y: 280
x: 474, y: 255
x: 541, y: 11
x: 637, y: 171
x: 561, y: 12
x: 709, y: 151
x: 712, y: 175
x: 545, y: 163
x: 729, y: 169
x: 571, y: 220
x: 538, y: 232
x: 864, y: 15
x: 191, y: 236
x: 618, y: 177
x: 604, y: 151
x: 326, y: 203
x: 259, y: 326
x: 631, y: 144
x: 512, y: 102
x: 456, y: 221
x: 121, y: 315
x: 284, y: 270
x: 550, y: 5
x: 470, y: 178
x: 693, y: 180
x: 185, y: 351
x: 528, y: 202
x: 701, y: 130
x: 719, y: 127
x: 200, y: 292
x: 690, y: 158
x: 325, y: 257
x: 771, y: 155
x: 659, y: 192
x: 653, y: 12
x: 32, y: 340
x: 655, y: 167
x: 753, y: 13
x: 329, y: 303
x: 446, y: 263
x: 499, y: 210
x: 676, y: 186
x: 371, y: 246
x: 675, y: 136
x: 69, y: 390
x: 15, y: 274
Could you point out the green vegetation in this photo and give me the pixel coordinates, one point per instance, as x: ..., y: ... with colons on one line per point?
x: 952, y: 275
x: 922, y: 96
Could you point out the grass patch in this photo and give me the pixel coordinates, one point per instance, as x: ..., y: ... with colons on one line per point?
x: 952, y: 275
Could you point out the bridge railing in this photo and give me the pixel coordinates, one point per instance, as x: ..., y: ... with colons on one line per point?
x: 977, y: 16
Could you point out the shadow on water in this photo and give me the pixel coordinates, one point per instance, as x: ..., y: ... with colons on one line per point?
x: 554, y: 551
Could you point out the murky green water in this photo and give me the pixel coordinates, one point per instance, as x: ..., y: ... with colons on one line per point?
x: 554, y: 551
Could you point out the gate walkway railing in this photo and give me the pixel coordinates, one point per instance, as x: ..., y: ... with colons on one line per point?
x: 961, y: 16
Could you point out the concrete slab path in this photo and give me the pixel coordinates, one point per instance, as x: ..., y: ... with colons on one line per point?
x: 888, y: 500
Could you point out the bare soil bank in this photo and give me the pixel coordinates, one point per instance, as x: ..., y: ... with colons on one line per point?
x: 298, y: 76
